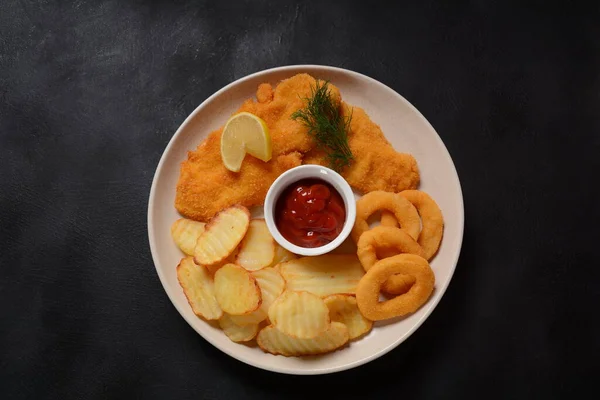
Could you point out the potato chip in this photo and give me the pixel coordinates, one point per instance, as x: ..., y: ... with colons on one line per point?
x: 343, y: 308
x: 215, y: 267
x: 299, y: 314
x: 257, y: 249
x: 271, y: 285
x: 199, y: 289
x: 272, y: 340
x: 323, y: 275
x: 282, y: 255
x: 185, y: 232
x: 236, y: 332
x: 221, y: 236
x: 255, y: 317
x: 212, y: 269
x: 236, y: 290
x: 229, y: 260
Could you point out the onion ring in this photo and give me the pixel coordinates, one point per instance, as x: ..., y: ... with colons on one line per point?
x: 395, y: 241
x: 404, y: 212
x: 433, y: 220
x: 367, y: 291
x: 388, y: 219
x: 401, y: 283
x: 388, y: 238
x: 431, y: 216
x: 398, y: 284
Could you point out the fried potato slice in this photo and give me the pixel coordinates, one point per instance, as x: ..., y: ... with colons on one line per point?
x: 236, y: 290
x: 255, y: 317
x: 343, y: 308
x: 185, y: 232
x: 323, y: 275
x: 236, y: 332
x: 257, y: 249
x: 282, y: 255
x: 271, y: 285
x: 229, y: 260
x: 299, y: 314
x: 272, y: 340
x: 199, y: 289
x: 215, y: 267
x: 221, y: 236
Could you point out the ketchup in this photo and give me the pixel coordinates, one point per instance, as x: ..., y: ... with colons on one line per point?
x: 310, y: 213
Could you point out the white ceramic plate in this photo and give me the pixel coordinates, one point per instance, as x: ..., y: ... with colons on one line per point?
x: 405, y: 128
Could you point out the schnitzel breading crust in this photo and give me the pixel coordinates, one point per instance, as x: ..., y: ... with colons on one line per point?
x: 376, y: 165
x: 205, y: 186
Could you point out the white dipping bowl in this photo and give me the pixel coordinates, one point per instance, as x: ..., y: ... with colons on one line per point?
x: 310, y: 172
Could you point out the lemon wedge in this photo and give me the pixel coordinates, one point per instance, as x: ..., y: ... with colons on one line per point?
x: 244, y: 133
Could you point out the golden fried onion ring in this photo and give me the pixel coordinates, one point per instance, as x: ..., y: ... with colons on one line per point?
x: 388, y: 238
x: 398, y: 284
x: 367, y: 291
x: 393, y: 240
x: 431, y: 216
x: 401, y: 283
x: 388, y: 219
x: 404, y: 212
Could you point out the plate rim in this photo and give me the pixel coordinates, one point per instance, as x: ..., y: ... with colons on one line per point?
x: 308, y: 68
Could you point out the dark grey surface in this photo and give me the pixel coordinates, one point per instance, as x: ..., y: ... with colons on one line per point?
x: 91, y: 92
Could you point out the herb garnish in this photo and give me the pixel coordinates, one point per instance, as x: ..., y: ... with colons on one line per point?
x: 327, y: 126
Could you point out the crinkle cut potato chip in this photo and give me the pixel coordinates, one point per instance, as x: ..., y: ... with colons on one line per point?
x: 185, y: 233
x: 255, y: 317
x: 221, y: 236
x: 273, y: 341
x: 236, y: 332
x: 236, y: 290
x: 343, y: 308
x: 282, y: 255
x: 299, y: 314
x: 271, y: 285
x: 257, y: 249
x: 323, y: 275
x: 229, y: 260
x: 199, y: 289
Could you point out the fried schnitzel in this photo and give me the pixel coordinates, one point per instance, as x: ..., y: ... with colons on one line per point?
x: 376, y: 165
x: 205, y: 186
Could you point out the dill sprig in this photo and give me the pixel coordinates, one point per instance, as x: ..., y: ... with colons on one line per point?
x: 327, y: 126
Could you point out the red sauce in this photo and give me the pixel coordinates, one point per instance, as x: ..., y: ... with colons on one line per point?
x: 310, y: 213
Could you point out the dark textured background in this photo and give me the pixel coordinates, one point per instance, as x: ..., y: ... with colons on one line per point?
x: 91, y: 92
